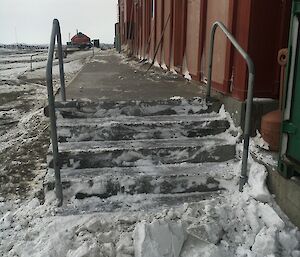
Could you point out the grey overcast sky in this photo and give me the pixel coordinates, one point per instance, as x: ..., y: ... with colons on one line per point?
x: 29, y: 21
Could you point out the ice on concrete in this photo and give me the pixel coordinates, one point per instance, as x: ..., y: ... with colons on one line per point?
x: 164, y: 66
x: 289, y: 241
x: 257, y: 182
x: 197, y: 248
x: 159, y: 239
x: 156, y: 64
x: 265, y: 242
x: 210, y: 232
x: 187, y: 75
x: 259, y: 141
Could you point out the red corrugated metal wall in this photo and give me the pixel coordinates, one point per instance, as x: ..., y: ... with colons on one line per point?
x: 179, y: 30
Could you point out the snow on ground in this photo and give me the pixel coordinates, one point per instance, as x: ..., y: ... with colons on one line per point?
x: 23, y: 126
x: 235, y: 224
x: 247, y: 224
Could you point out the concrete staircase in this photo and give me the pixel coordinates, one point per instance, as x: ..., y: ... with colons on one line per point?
x: 142, y: 155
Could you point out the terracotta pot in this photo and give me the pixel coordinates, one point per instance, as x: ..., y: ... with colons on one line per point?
x: 270, y: 129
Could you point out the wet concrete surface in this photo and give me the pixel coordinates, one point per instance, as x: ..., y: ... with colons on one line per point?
x: 111, y: 76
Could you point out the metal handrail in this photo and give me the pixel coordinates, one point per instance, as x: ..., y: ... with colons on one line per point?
x: 56, y: 34
x: 251, y: 70
x: 31, y: 59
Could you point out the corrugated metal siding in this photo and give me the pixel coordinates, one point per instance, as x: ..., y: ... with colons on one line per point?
x: 186, y: 38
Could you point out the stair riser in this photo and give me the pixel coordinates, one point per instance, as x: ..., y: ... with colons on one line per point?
x: 145, y: 131
x: 127, y: 203
x: 107, y: 186
x: 155, y: 156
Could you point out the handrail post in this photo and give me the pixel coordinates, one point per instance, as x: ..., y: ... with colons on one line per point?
x: 210, y: 60
x: 31, y: 62
x: 52, y: 116
x: 31, y: 59
x: 251, y: 77
x: 61, y: 64
x: 247, y: 132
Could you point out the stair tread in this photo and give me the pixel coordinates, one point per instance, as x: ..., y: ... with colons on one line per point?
x: 127, y: 120
x: 100, y: 146
x: 123, y: 129
x: 108, y: 104
x: 180, y: 169
x: 175, y: 105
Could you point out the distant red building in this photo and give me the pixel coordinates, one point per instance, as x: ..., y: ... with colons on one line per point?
x: 179, y: 31
x: 81, y: 40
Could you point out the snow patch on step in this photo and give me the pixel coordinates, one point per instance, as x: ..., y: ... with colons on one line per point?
x: 176, y: 98
x: 140, y: 120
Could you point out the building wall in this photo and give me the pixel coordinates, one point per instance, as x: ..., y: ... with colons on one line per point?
x: 159, y: 19
x: 167, y: 40
x: 271, y: 30
x: 217, y: 10
x: 177, y: 35
x: 193, y: 37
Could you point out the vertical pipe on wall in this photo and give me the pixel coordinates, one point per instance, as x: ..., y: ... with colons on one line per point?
x: 230, y: 48
x: 202, y: 26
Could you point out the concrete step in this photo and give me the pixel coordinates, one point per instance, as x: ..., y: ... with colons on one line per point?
x: 137, y: 108
x: 160, y: 179
x: 149, y: 127
x: 124, y: 203
x: 96, y: 154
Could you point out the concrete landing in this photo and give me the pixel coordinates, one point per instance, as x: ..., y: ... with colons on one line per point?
x: 110, y: 76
